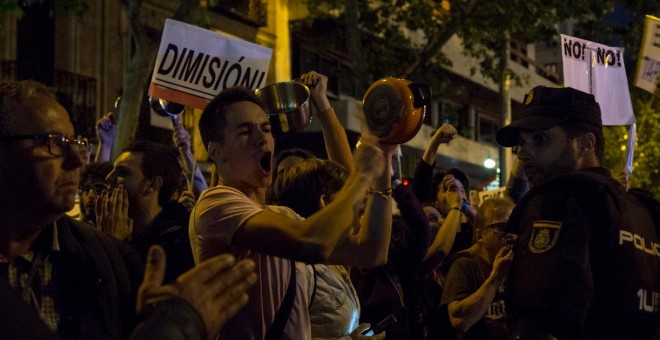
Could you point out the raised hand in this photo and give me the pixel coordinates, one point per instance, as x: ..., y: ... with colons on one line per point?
x: 216, y: 288
x: 445, y: 134
x: 106, y: 128
x: 112, y: 213
x: 181, y: 137
x: 369, y: 158
x: 501, y: 265
x: 318, y: 86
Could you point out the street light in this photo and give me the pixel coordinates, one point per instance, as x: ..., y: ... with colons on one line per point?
x: 489, y: 163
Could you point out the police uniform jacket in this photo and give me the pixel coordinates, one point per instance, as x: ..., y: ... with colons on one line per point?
x: 587, y: 260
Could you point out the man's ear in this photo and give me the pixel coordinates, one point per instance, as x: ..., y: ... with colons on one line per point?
x: 155, y: 184
x: 322, y: 201
x: 587, y: 141
x: 214, y: 150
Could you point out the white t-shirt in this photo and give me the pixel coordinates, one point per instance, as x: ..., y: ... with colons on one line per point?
x: 216, y: 217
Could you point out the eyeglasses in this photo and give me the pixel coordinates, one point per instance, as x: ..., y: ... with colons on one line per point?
x: 98, y: 187
x: 58, y: 144
x: 498, y: 230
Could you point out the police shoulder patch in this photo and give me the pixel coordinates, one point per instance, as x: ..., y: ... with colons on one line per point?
x: 544, y: 235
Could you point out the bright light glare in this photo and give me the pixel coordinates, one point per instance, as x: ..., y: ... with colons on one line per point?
x: 489, y: 163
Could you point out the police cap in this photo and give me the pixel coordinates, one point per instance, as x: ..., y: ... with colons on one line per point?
x: 545, y: 107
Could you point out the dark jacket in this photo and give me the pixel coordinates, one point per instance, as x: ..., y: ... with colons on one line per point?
x: 390, y: 288
x: 170, y: 230
x: 96, y: 280
x: 583, y: 265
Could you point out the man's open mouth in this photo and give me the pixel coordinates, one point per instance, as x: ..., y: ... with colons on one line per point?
x: 266, y: 162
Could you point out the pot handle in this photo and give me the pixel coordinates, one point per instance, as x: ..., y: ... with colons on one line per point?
x: 421, y: 94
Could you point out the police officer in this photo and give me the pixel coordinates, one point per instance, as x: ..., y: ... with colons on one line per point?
x: 587, y: 263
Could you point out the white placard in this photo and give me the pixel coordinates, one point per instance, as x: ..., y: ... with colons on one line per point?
x: 486, y: 194
x: 195, y: 64
x: 647, y: 75
x: 599, y: 70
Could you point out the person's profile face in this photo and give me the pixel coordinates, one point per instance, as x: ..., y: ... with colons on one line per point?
x: 547, y: 152
x: 89, y: 192
x: 246, y: 152
x: 127, y: 172
x: 31, y: 173
x: 433, y: 218
x: 449, y: 186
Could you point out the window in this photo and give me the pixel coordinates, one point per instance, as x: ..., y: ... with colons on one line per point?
x: 450, y: 114
x: 488, y: 127
x: 550, y: 67
x: 304, y: 59
x: 253, y: 12
x: 518, y: 51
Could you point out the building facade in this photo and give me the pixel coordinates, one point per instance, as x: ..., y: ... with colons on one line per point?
x: 83, y: 56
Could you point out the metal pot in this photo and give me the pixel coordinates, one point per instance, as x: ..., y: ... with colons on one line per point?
x: 287, y: 105
x: 166, y: 109
x: 394, y: 108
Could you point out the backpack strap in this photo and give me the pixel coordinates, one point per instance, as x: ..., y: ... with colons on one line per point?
x: 276, y: 330
x: 311, y: 299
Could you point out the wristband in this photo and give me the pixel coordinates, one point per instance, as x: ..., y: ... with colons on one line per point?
x: 465, y: 206
x: 385, y: 194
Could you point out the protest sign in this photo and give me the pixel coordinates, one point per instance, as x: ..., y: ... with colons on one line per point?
x: 599, y: 70
x: 486, y: 194
x: 647, y: 75
x: 195, y: 64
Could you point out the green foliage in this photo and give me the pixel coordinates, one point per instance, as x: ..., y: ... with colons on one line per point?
x: 10, y: 6
x: 405, y: 38
x: 628, y: 34
x: 389, y: 34
x: 646, y: 173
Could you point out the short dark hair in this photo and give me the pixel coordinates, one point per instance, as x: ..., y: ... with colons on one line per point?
x: 458, y: 174
x: 299, y: 152
x: 18, y: 92
x: 300, y: 186
x: 575, y: 129
x: 159, y: 160
x: 95, y: 172
x: 213, y: 122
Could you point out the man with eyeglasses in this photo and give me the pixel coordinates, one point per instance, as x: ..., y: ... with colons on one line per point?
x: 92, y: 184
x: 81, y: 283
x: 473, y: 291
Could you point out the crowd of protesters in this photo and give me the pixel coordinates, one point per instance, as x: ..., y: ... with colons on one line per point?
x: 292, y: 246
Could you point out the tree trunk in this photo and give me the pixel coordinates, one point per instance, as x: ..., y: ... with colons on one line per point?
x: 145, y: 49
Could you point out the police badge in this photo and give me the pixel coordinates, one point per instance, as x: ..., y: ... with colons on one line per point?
x: 544, y: 236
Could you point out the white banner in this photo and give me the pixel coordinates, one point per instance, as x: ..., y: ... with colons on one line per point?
x: 486, y: 194
x: 195, y: 64
x: 599, y: 70
x: 647, y: 75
